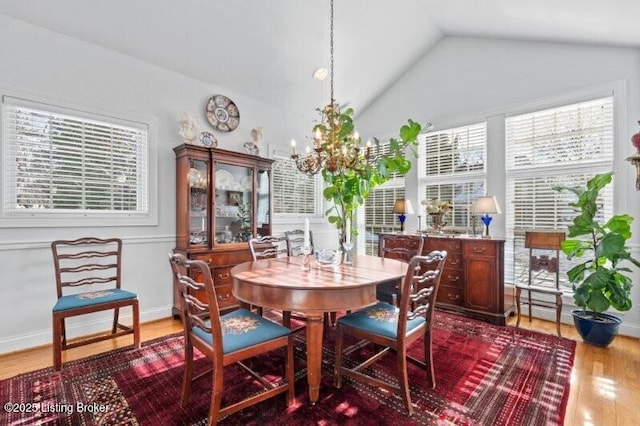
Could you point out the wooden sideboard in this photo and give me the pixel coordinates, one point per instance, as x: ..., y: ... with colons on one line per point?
x: 473, y: 278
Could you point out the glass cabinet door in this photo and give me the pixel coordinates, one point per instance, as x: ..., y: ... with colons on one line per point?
x: 263, y: 212
x: 233, y: 203
x: 198, y: 201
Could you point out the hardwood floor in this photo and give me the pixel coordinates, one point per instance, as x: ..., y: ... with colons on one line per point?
x: 605, y: 384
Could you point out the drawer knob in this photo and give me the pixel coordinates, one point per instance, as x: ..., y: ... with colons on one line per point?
x: 453, y: 296
x: 479, y: 249
x: 222, y: 298
x: 453, y: 278
x: 223, y: 276
x: 453, y: 262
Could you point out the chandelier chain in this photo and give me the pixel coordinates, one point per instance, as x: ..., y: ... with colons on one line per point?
x: 331, y: 52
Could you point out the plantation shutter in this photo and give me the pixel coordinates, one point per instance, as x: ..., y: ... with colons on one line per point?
x: 57, y: 161
x: 455, y: 151
x: 558, y: 146
x: 453, y: 169
x: 293, y: 191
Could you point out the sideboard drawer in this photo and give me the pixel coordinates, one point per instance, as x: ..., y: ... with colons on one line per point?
x: 479, y: 248
x: 449, y: 295
x: 452, y: 277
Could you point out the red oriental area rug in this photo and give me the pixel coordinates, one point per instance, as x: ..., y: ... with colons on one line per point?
x: 486, y: 375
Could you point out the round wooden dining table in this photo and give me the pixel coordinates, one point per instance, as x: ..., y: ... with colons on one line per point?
x: 288, y: 284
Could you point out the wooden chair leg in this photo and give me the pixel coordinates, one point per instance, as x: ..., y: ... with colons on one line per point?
x: 216, y: 395
x: 404, y: 381
x: 57, y: 342
x: 188, y: 374
x: 290, y: 373
x: 518, y: 291
x: 337, y: 371
x: 286, y: 319
x: 558, y: 312
x: 116, y: 315
x: 136, y: 324
x: 428, y: 358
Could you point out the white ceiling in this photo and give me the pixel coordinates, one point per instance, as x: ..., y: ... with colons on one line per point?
x: 267, y: 49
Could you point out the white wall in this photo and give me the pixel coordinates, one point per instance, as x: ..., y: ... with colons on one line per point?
x: 59, y: 67
x: 463, y: 80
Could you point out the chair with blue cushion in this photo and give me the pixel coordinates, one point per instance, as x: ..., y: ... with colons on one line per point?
x: 392, y: 329
x: 401, y: 247
x: 232, y: 338
x: 80, y: 264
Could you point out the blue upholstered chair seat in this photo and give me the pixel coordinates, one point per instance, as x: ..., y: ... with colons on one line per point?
x: 381, y: 319
x: 242, y: 329
x: 90, y: 298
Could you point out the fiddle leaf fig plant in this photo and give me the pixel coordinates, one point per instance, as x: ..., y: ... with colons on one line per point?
x: 348, y: 188
x: 602, y: 280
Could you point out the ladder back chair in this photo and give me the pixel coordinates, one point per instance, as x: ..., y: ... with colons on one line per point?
x: 270, y: 247
x: 295, y: 241
x: 539, y: 242
x: 89, y: 263
x: 392, y: 329
x: 401, y: 247
x: 232, y: 338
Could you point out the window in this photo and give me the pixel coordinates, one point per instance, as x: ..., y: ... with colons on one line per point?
x: 559, y: 146
x: 378, y: 212
x: 378, y: 207
x: 294, y: 192
x: 64, y: 164
x: 453, y: 170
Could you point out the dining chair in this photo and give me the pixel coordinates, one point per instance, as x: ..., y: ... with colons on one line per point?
x: 400, y: 247
x: 270, y: 247
x: 544, y: 259
x: 392, y: 329
x: 232, y: 338
x: 95, y: 266
x: 295, y: 241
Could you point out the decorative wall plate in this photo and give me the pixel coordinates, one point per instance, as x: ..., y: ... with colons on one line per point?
x: 207, y: 139
x: 222, y: 113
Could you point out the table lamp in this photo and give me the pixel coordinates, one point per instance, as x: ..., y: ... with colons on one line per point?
x: 485, y: 206
x: 402, y: 207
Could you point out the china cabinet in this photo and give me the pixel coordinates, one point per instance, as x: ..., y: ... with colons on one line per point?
x: 223, y: 198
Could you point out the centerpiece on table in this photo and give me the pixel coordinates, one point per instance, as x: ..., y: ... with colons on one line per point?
x: 437, y: 210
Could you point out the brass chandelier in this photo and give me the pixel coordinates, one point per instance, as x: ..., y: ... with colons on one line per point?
x: 336, y: 145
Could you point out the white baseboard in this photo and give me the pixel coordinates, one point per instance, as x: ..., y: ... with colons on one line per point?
x: 43, y: 337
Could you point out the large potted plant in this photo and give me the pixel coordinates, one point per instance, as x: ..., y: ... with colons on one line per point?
x: 348, y: 188
x: 603, y: 280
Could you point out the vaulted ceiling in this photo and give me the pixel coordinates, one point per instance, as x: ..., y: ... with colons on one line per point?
x: 267, y: 49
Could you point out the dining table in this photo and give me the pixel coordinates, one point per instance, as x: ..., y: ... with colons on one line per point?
x: 302, y: 285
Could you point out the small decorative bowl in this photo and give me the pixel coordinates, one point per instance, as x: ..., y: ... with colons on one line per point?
x: 328, y: 257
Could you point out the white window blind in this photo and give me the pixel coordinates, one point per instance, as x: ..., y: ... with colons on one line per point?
x: 293, y: 192
x: 559, y: 146
x: 453, y: 170
x: 379, y: 216
x: 58, y: 162
x: 455, y: 151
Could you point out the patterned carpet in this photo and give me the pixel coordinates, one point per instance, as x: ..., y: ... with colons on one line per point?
x: 486, y: 375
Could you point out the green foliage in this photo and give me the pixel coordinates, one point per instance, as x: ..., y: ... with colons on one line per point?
x: 348, y: 189
x: 599, y: 282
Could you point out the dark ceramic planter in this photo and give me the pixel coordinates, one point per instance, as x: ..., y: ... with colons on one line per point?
x: 599, y: 331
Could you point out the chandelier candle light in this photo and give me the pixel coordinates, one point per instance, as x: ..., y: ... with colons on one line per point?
x: 336, y: 143
x: 485, y: 206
